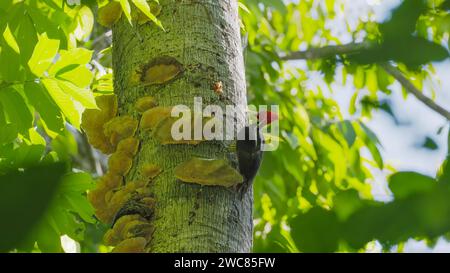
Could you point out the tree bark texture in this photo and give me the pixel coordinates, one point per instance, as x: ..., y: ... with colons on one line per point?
x: 203, y: 36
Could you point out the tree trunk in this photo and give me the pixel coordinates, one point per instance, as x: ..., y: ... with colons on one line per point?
x: 203, y: 38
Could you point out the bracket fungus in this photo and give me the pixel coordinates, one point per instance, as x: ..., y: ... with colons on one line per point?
x: 150, y: 171
x: 137, y: 228
x: 116, y: 234
x: 209, y: 172
x: 141, y: 206
x: 161, y: 70
x: 140, y: 229
x: 128, y: 146
x: 112, y: 180
x: 117, y: 201
x: 132, y: 245
x: 93, y: 121
x: 163, y: 133
x: 153, y: 116
x: 99, y: 197
x: 120, y: 128
x: 108, y: 201
x: 120, y: 163
x: 145, y: 103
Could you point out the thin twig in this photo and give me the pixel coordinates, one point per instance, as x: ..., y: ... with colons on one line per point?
x: 327, y: 51
x: 409, y: 86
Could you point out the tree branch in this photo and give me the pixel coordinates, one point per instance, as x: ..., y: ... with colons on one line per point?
x: 352, y: 48
x: 398, y: 75
x: 327, y: 51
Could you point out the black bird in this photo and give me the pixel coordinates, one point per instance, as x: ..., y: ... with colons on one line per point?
x: 249, y: 148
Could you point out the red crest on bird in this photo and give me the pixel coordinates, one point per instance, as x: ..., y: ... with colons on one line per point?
x: 266, y: 117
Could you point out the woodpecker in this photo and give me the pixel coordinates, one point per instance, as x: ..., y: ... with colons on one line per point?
x: 249, y: 148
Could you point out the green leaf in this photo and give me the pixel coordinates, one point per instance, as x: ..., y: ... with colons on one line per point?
x: 26, y: 38
x: 26, y: 155
x: 48, y: 238
x: 63, y: 100
x: 359, y: 78
x: 19, y: 156
x: 79, y: 75
x: 412, y: 51
x: 24, y: 197
x: 371, y: 141
x: 418, y: 215
x: 84, y: 96
x: 13, y: 71
x: 73, y: 188
x: 60, y: 222
x: 430, y: 144
x: 43, y: 55
x: 371, y: 81
x: 143, y: 6
x: 346, y: 203
x: 244, y: 7
x: 405, y: 184
x: 315, y: 231
x: 330, y: 5
x: 80, y: 205
x: 399, y: 42
x: 352, y: 107
x: 348, y: 131
x: 104, y: 84
x: 3, y: 120
x: 68, y: 213
x: 384, y: 80
x: 45, y: 23
x: 444, y: 171
x: 8, y: 133
x: 126, y: 9
x: 369, y: 133
x: 68, y: 58
x: 65, y: 145
x: 36, y: 138
x: 49, y: 113
x: 376, y: 154
x: 273, y: 242
x: 16, y: 109
x: 10, y: 40
x: 404, y: 18
x: 76, y: 183
x: 84, y: 21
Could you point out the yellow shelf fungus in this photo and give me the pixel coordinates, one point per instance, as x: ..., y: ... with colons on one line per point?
x: 120, y: 128
x: 93, y: 121
x: 209, y: 172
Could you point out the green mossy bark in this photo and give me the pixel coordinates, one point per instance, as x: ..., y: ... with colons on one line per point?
x: 204, y: 37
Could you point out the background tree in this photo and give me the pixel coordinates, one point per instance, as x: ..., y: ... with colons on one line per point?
x: 312, y: 194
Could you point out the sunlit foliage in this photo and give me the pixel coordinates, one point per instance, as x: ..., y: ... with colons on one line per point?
x: 313, y: 194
